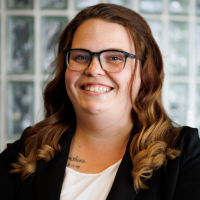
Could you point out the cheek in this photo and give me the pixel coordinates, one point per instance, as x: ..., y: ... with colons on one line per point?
x: 70, y: 80
x: 71, y: 77
x: 131, y: 83
x: 67, y: 81
x: 125, y: 82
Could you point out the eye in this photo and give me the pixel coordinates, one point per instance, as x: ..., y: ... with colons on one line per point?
x: 115, y: 58
x: 80, y: 57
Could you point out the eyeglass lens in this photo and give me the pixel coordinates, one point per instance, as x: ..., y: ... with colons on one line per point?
x: 111, y: 61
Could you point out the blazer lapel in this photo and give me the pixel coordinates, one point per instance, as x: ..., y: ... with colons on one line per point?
x: 122, y: 187
x: 50, y: 174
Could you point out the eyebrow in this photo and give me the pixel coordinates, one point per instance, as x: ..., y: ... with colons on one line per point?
x: 118, y: 49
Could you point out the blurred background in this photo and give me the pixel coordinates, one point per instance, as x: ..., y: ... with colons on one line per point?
x: 30, y: 28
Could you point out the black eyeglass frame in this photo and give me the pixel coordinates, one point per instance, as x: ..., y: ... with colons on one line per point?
x: 98, y: 54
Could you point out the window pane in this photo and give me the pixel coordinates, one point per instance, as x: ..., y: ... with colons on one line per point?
x: 53, y: 4
x: 126, y: 3
x: 198, y: 7
x: 0, y: 117
x: 178, y: 93
x: 198, y: 107
x: 19, y: 108
x: 156, y: 28
x: 19, y: 4
x: 41, y: 114
x: 51, y: 28
x: 198, y: 48
x: 178, y: 48
x: 0, y: 45
x: 179, y: 7
x: 80, y: 4
x: 20, y: 44
x: 151, y: 6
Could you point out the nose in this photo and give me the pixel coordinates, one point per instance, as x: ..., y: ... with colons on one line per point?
x: 94, y: 68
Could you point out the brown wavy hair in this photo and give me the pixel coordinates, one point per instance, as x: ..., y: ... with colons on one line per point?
x: 156, y: 136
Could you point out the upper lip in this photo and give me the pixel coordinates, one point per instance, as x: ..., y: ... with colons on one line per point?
x: 95, y: 83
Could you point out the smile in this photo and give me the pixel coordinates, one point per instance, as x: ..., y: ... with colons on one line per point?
x: 97, y: 88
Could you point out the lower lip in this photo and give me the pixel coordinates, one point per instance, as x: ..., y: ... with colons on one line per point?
x: 94, y: 93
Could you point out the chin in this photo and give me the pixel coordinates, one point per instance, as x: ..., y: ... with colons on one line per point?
x: 95, y: 108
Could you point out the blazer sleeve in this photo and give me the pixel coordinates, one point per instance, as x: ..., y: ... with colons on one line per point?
x: 188, y: 183
x: 9, y: 182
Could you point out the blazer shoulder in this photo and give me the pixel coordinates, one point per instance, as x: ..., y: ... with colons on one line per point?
x: 10, y: 154
x: 189, y: 145
x: 188, y: 138
x: 9, y: 183
x: 188, y: 130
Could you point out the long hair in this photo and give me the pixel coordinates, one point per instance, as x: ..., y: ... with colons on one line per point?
x: 156, y: 136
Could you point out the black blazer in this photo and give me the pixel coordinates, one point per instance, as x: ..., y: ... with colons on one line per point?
x: 178, y: 180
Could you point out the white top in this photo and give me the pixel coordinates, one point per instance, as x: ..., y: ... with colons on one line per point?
x: 81, y: 186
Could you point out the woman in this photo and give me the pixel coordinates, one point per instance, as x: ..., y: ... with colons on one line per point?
x: 106, y: 134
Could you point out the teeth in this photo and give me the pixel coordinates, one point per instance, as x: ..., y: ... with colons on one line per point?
x: 98, y: 89
x: 91, y: 89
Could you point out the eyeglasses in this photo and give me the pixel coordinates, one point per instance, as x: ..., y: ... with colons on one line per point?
x: 110, y: 60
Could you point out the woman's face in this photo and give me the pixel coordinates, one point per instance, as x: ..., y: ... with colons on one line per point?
x: 96, y: 35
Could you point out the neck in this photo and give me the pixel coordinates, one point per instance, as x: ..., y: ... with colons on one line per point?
x: 96, y: 131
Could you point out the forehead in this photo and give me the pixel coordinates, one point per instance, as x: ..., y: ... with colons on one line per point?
x: 98, y: 35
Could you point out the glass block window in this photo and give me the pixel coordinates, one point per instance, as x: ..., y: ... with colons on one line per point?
x: 198, y: 106
x: 178, y: 102
x: 198, y: 48
x: 20, y: 107
x: 53, y: 4
x: 19, y: 4
x: 178, y: 53
x: 156, y: 28
x: 126, y: 3
x: 80, y: 4
x: 51, y: 29
x: 0, y: 120
x: 20, y: 43
x: 197, y: 7
x: 151, y: 6
x: 0, y: 45
x: 28, y: 33
x: 179, y: 7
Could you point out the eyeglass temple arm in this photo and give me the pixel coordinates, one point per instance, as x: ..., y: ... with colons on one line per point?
x: 134, y: 56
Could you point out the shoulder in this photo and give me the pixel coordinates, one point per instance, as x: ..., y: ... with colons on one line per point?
x: 9, y: 182
x: 182, y: 175
x: 189, y: 146
x: 187, y: 165
x: 188, y: 134
x: 10, y: 154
